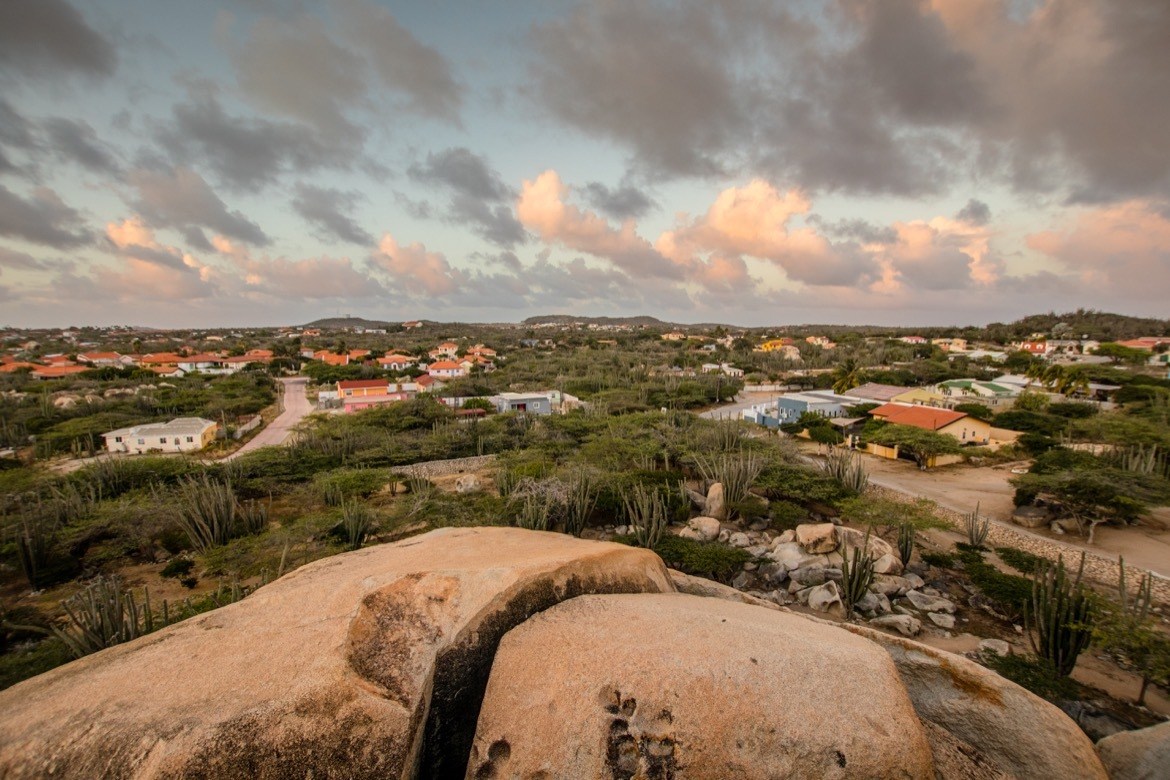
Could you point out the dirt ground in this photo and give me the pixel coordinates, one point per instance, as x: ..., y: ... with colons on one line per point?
x: 960, y: 487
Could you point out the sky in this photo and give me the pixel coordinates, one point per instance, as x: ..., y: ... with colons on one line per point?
x: 900, y: 162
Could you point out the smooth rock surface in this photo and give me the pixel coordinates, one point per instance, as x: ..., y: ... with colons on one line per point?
x: 927, y: 603
x: 903, y: 624
x: 715, y: 505
x: 817, y: 538
x: 706, y: 527
x: 654, y: 701
x: 1138, y: 755
x: 330, y: 670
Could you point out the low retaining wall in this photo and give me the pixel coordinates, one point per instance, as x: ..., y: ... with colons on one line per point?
x: 1098, y: 568
x: 443, y: 468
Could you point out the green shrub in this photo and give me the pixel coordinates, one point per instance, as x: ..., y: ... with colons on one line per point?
x: 786, y: 515
x: 178, y: 568
x: 1021, y: 561
x: 1010, y: 593
x: 23, y: 663
x: 1034, y: 675
x: 750, y: 508
x: 940, y: 559
x: 705, y: 559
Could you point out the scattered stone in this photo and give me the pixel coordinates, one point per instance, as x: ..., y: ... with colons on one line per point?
x: 757, y: 551
x: 1031, y: 516
x: 942, y: 619
x: 750, y: 566
x: 739, y: 539
x: 890, y: 585
x: 466, y: 483
x: 623, y: 530
x: 903, y: 624
x: 706, y: 527
x: 1056, y: 529
x: 691, y: 533
x: 786, y: 537
x: 774, y: 572
x: 888, y: 564
x: 724, y: 535
x: 868, y: 605
x: 833, y: 573
x: 915, y: 581
x: 824, y: 596
x: 793, y: 555
x: 759, y: 525
x: 818, y: 539
x: 996, y: 646
x: 926, y: 603
x: 742, y: 581
x: 851, y: 539
x: 715, y: 506
x: 813, y: 574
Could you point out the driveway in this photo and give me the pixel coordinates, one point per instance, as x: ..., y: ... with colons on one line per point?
x: 735, y: 411
x: 296, y: 407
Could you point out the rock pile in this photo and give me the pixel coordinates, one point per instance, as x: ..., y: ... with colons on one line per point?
x: 495, y: 652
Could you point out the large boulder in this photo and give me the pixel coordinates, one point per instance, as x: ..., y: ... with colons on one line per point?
x: 692, y: 687
x: 1137, y: 755
x: 707, y: 528
x: 793, y: 556
x: 851, y: 539
x: 715, y: 504
x: 817, y: 538
x: 365, y: 664
x: 1015, y: 731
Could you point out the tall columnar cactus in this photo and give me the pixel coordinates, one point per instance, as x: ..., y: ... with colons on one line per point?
x: 1060, y: 618
x: 906, y: 536
x: 856, y: 575
x: 977, y: 527
x: 102, y: 616
x: 647, y: 510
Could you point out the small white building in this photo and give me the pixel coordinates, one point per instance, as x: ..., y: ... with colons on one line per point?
x: 184, y: 434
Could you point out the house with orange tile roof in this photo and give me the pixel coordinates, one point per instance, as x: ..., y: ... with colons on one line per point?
x: 101, y: 358
x: 446, y: 369
x: 57, y: 372
x: 18, y: 365
x: 963, y: 427
x: 394, y: 361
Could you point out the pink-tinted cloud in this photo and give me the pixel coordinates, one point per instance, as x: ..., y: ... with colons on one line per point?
x: 753, y: 221
x: 417, y: 270
x: 307, y: 278
x: 150, y: 269
x: 1123, y: 248
x: 542, y: 209
x: 940, y: 254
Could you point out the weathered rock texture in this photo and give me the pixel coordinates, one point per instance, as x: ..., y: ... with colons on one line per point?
x: 374, y: 664
x: 692, y: 687
x: 345, y: 667
x: 1138, y: 755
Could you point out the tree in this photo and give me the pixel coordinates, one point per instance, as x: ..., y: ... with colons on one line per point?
x: 1119, y: 353
x: 977, y: 410
x: 921, y: 444
x: 847, y: 375
x: 1127, y: 628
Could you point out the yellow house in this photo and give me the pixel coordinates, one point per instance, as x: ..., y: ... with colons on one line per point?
x: 775, y: 345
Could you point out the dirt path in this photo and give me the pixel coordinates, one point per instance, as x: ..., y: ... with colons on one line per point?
x: 296, y: 407
x: 735, y: 410
x: 960, y: 488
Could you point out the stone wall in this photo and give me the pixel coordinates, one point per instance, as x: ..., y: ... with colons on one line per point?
x: 443, y: 468
x: 1099, y: 568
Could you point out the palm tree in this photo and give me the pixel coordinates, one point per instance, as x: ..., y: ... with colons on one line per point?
x: 846, y: 375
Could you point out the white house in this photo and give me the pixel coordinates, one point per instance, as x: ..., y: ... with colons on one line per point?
x: 446, y: 369
x: 184, y: 434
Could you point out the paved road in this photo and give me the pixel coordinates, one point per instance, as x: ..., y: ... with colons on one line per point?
x: 296, y: 406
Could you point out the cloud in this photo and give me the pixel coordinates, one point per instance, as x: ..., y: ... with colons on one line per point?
x: 326, y: 209
x: 753, y: 220
x: 49, y: 39
x: 249, y: 152
x: 940, y: 254
x: 479, y: 197
x: 976, y: 212
x: 542, y: 209
x: 1123, y: 249
x: 76, y: 140
x: 415, y: 269
x: 150, y: 270
x: 314, y: 278
x: 402, y: 62
x: 180, y: 198
x: 867, y: 97
x: 19, y: 261
x: 624, y: 202
x: 42, y: 219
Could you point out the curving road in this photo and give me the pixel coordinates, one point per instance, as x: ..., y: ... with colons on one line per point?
x: 296, y: 407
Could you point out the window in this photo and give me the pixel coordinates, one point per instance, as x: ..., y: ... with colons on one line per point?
x: 142, y: 441
x: 118, y: 439
x: 190, y: 439
x: 162, y: 440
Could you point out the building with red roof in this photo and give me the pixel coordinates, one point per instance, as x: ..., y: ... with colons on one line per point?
x: 963, y: 427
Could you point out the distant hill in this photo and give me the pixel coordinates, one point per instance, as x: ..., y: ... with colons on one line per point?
x: 338, y: 323
x: 1103, y: 326
x: 569, y: 319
